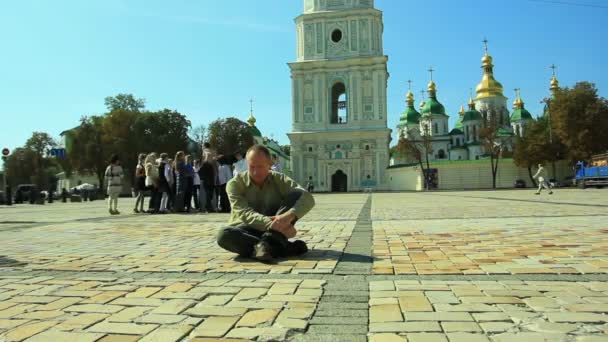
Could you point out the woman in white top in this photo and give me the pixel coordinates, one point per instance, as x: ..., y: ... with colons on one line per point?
x: 196, y: 189
x: 114, y: 179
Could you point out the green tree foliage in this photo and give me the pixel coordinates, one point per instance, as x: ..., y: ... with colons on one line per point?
x: 286, y: 149
x: 32, y: 163
x: 230, y: 135
x: 416, y: 150
x: 198, y: 135
x: 579, y: 120
x: 491, y: 140
x: 88, y: 152
x: 126, y: 102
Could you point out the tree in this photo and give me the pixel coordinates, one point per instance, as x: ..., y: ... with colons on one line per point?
x: 198, y: 135
x: 40, y: 143
x: 414, y: 149
x: 88, y: 153
x: 230, y: 135
x: 286, y: 149
x: 492, y: 138
x: 578, y: 118
x: 534, y: 147
x: 124, y: 102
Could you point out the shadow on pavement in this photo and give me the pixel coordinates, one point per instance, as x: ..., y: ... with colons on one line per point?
x: 8, y: 262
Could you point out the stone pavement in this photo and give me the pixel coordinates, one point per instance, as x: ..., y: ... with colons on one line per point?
x: 442, y: 266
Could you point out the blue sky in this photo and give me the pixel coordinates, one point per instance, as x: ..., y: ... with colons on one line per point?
x: 206, y: 59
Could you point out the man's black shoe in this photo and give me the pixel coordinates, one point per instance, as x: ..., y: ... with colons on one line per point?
x: 261, y: 252
x: 297, y: 247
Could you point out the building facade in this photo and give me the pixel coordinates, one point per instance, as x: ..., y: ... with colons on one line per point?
x: 339, y: 138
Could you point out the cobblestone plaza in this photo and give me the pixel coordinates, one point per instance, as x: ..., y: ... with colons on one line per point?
x: 439, y: 266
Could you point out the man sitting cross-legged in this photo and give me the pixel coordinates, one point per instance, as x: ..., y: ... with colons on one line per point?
x: 265, y: 207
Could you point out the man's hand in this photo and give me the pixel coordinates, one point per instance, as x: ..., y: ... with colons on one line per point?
x: 282, y: 223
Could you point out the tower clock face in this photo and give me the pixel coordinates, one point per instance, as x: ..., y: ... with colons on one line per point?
x: 336, y: 36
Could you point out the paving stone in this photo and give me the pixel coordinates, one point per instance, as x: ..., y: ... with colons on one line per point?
x: 215, y: 326
x: 167, y: 334
x: 56, y: 335
x: 404, y: 327
x: 496, y: 327
x: 387, y: 337
x: 460, y: 327
x: 27, y: 330
x: 215, y: 311
x: 385, y: 313
x: 12, y: 323
x: 415, y: 304
x: 559, y: 317
x: 257, y: 317
x: 426, y: 337
x: 542, y: 326
x: 80, y: 321
x: 122, y: 328
x: 128, y: 314
x: 94, y: 308
x: 260, y: 333
x: 467, y: 337
x: 160, y: 319
x: 438, y: 316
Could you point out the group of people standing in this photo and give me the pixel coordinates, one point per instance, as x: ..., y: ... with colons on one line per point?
x: 182, y: 184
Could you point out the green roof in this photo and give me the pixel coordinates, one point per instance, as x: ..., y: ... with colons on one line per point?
x: 521, y: 114
x: 410, y: 116
x: 504, y: 132
x: 255, y: 131
x: 471, y: 115
x: 432, y: 106
x: 455, y: 131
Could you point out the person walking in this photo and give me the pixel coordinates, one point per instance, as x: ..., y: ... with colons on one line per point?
x: 224, y: 175
x: 180, y: 181
x: 140, y: 183
x: 164, y: 182
x: 196, y: 185
x: 152, y: 182
x: 189, y: 170
x: 207, y: 174
x: 114, y: 179
x: 541, y: 175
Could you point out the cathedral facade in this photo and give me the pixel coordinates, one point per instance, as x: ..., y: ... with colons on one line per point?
x: 339, y: 138
x: 463, y: 141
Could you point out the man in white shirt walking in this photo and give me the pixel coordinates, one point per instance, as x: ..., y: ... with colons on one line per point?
x: 542, y: 183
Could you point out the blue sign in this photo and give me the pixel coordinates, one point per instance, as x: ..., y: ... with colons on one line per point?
x: 58, y: 153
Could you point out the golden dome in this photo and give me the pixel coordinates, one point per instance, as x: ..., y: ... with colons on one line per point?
x: 486, y: 60
x: 471, y: 103
x: 422, y: 103
x: 554, y: 84
x: 251, y: 120
x: 432, y: 89
x: 409, y: 98
x: 461, y: 112
x: 489, y: 86
x: 518, y: 103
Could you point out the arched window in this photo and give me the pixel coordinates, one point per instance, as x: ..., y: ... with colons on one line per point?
x: 474, y: 132
x: 441, y: 154
x: 339, y: 109
x: 436, y: 128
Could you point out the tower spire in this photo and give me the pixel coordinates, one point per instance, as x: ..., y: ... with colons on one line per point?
x: 409, y: 99
x: 422, y: 103
x: 251, y: 119
x: 554, y: 81
x: 432, y: 87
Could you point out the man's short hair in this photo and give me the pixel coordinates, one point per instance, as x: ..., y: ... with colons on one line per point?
x: 164, y: 155
x: 206, y: 145
x: 259, y: 148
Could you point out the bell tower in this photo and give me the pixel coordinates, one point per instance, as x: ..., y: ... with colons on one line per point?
x: 339, y: 85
